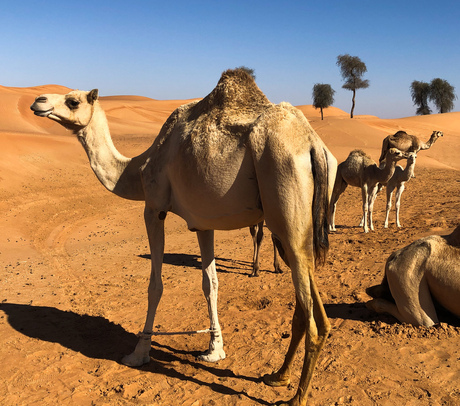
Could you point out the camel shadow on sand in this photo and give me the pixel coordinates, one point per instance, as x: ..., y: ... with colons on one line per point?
x: 223, y: 265
x: 98, y: 338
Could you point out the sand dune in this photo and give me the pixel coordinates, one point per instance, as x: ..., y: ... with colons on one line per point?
x: 74, y: 261
x: 141, y: 116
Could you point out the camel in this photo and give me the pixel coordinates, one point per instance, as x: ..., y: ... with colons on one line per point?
x: 257, y: 233
x: 360, y: 170
x: 427, y: 269
x: 398, y: 181
x: 407, y: 143
x: 225, y: 162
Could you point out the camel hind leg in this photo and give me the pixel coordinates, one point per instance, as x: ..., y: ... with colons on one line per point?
x: 292, y: 222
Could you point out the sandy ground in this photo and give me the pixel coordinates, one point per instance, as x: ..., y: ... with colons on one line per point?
x: 75, y: 266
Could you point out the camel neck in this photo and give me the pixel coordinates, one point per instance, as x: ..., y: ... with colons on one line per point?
x: 119, y: 174
x: 409, y: 170
x: 387, y: 171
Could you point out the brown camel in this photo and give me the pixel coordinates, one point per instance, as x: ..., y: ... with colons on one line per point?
x: 427, y: 269
x: 225, y: 162
x: 407, y: 143
x: 360, y: 170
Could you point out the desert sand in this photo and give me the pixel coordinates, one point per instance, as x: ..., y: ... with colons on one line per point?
x: 75, y: 268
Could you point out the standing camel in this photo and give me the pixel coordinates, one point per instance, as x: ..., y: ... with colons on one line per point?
x: 360, y: 170
x: 398, y: 181
x: 407, y: 143
x: 225, y: 162
x: 257, y: 234
x: 427, y: 269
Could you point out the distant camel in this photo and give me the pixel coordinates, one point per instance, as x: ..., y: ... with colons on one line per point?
x: 398, y: 182
x: 427, y: 269
x: 257, y: 233
x: 225, y: 162
x: 407, y: 143
x: 360, y: 170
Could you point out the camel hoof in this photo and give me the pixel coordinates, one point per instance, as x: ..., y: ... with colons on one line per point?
x: 134, y: 360
x: 213, y: 356
x: 276, y: 380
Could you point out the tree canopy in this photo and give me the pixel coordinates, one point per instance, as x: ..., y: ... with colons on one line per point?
x: 323, y: 96
x: 442, y: 94
x: 420, y: 93
x: 352, y: 69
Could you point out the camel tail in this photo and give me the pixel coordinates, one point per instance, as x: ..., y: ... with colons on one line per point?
x: 320, y: 205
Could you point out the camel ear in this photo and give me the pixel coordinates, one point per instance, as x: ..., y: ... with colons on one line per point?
x: 92, y: 96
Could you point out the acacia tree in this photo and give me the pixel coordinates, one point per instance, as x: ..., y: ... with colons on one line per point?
x: 352, y: 70
x: 323, y: 96
x: 442, y: 94
x: 420, y: 92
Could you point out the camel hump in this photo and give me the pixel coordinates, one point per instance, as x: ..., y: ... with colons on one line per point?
x: 236, y: 98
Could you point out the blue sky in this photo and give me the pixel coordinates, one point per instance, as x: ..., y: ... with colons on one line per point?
x: 178, y: 49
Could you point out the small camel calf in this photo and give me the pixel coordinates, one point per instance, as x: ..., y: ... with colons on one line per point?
x: 398, y: 181
x: 427, y: 269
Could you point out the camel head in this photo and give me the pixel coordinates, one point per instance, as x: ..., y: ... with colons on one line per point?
x: 436, y: 134
x: 73, y: 110
x: 394, y: 154
x: 411, y: 157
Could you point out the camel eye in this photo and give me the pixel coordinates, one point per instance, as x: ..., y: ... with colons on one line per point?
x: 72, y: 103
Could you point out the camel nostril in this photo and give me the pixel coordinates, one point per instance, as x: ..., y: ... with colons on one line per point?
x: 41, y: 99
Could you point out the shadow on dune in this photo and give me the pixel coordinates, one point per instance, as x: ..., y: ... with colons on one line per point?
x: 98, y: 338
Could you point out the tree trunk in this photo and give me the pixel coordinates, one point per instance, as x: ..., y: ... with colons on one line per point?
x: 321, y: 113
x: 353, y: 103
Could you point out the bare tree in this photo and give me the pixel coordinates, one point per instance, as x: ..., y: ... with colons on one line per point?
x: 442, y: 94
x: 323, y: 96
x: 420, y: 92
x: 352, y: 70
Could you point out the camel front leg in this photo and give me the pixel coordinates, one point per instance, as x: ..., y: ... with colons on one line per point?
x: 257, y: 233
x: 372, y: 197
x: 210, y: 289
x: 155, y: 232
x: 365, y: 197
x: 276, y: 261
x: 398, y: 203
x: 388, y: 208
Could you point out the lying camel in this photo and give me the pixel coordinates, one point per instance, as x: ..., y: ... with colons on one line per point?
x: 360, y: 170
x: 257, y: 233
x: 427, y: 269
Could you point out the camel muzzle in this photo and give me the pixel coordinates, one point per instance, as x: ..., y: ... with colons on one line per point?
x: 40, y: 108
